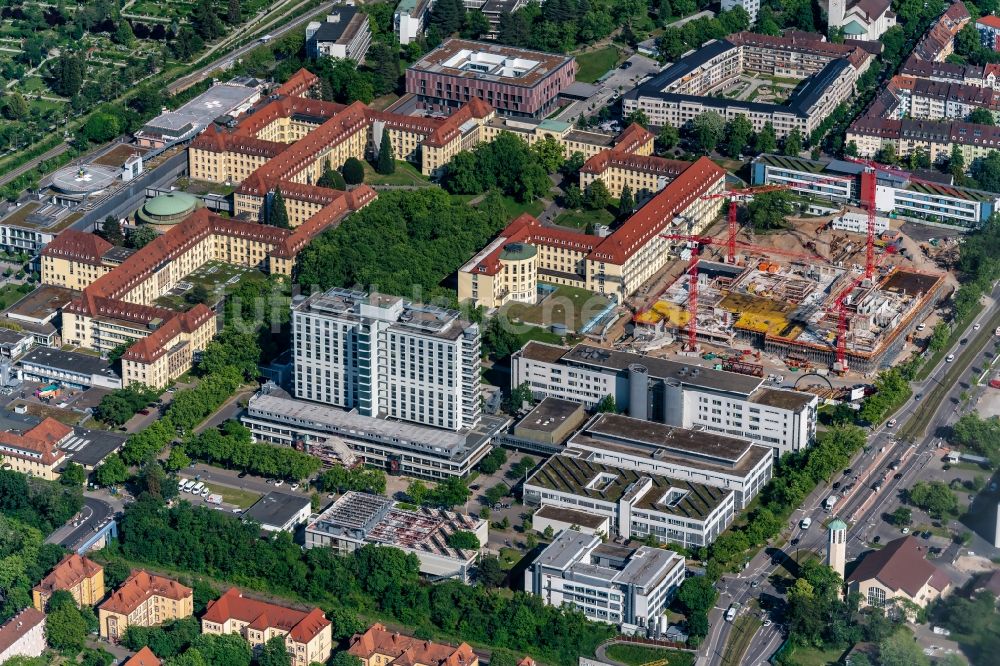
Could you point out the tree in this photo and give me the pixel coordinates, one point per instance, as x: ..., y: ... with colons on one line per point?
x: 463, y: 540
x: 353, y: 171
x: 887, y: 154
x: 274, y: 653
x: 901, y: 649
x: 851, y: 149
x: 476, y: 24
x: 198, y: 294
x: 626, y: 203
x: 597, y: 196
x: 111, y: 231
x: 935, y: 497
x: 67, y: 74
x: 666, y: 138
x: 902, y: 517
x: 233, y: 12
x: 738, y: 134
x: 223, y: 649
x: 123, y: 33
x: 572, y: 197
x: 939, y: 336
x: 111, y: 472
x: 73, y: 475
x: 101, y: 126
x: 277, y: 214
x: 986, y: 171
x: 549, y: 153
x: 65, y: 628
x: 206, y: 22
x: 520, y: 395
x: 177, y: 460
x: 447, y: 17
x: 140, y: 237
x: 707, y: 130
x: 766, y: 141
x: 14, y: 106
x: 607, y: 404
x: 331, y: 178
x: 493, y: 461
x: 793, y: 143
x: 637, y: 117
x: 344, y: 658
x: 956, y: 162
x: 982, y: 116
x: 386, y: 163
x: 769, y: 210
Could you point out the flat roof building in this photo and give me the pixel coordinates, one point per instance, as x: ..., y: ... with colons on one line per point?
x: 639, y: 505
x: 561, y: 518
x: 277, y: 511
x: 185, y: 123
x: 409, y: 19
x: 514, y: 81
x: 551, y: 422
x: 671, y: 392
x: 344, y: 34
x: 402, y: 448
x: 695, y: 455
x: 607, y: 582
x: 14, y: 343
x: 70, y: 369
x: 356, y: 519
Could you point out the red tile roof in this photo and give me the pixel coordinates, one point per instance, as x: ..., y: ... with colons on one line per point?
x: 139, y: 587
x: 451, y: 127
x: 658, y: 212
x: 301, y: 626
x: 40, y: 443
x: 143, y: 657
x: 900, y: 565
x: 298, y: 83
x: 158, y: 343
x: 16, y: 627
x: 989, y: 21
x: 527, y: 229
x: 70, y: 572
x: 632, y: 138
x: 409, y: 651
x: 648, y: 163
x: 78, y: 246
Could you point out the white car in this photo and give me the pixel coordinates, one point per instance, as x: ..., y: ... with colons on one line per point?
x: 278, y: 482
x: 767, y: 622
x: 294, y: 486
x: 976, y: 327
x: 950, y: 358
x: 891, y: 423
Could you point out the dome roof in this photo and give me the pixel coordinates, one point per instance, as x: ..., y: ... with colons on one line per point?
x: 170, y: 205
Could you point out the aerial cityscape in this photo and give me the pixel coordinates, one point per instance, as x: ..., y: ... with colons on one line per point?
x: 500, y: 333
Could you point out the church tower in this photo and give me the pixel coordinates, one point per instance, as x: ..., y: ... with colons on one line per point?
x: 836, y: 550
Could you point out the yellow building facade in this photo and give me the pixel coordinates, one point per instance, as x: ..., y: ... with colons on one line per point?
x: 143, y: 600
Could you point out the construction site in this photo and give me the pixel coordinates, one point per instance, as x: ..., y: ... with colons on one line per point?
x: 811, y: 297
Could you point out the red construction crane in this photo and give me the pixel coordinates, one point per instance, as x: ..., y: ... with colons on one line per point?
x: 693, y: 300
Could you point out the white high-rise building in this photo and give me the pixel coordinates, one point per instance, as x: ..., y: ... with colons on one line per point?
x: 752, y: 7
x: 387, y: 358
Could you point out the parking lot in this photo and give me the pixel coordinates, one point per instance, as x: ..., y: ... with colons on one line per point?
x: 609, y: 89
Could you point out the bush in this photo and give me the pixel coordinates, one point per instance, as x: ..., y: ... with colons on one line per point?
x: 353, y: 171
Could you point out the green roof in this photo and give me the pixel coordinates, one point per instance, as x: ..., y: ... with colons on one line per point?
x: 169, y: 205
x: 554, y: 125
x: 837, y: 524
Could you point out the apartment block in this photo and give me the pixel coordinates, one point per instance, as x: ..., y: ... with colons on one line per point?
x: 35, y: 451
x: 78, y: 575
x: 308, y: 635
x: 380, y: 647
x: 387, y: 358
x: 688, y: 87
x: 638, y: 505
x: 23, y: 635
x: 670, y: 392
x: 409, y: 19
x: 143, y: 600
x: 606, y: 582
x: 527, y: 252
x: 514, y: 81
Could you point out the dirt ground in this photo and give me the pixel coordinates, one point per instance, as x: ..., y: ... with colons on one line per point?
x: 973, y: 564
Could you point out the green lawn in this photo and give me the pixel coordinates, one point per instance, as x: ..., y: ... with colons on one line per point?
x: 516, y: 208
x: 405, y: 174
x: 567, y: 305
x: 594, y: 64
x: 12, y: 293
x: 241, y: 498
x: 637, y: 655
x: 810, y: 656
x: 581, y: 219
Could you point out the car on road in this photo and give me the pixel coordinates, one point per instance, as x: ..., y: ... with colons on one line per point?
x: 242, y: 475
x: 905, y: 530
x: 767, y: 622
x: 925, y: 535
x: 848, y: 471
x: 918, y: 396
x: 976, y: 327
x: 876, y: 539
x: 891, y: 423
x: 733, y: 610
x: 144, y: 411
x: 805, y: 522
x: 836, y: 485
x: 963, y: 341
x: 897, y: 476
x: 626, y: 65
x: 949, y: 358
x: 756, y: 583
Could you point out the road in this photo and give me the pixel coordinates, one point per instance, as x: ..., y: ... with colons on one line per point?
x: 94, y: 513
x: 221, y: 62
x: 862, y: 508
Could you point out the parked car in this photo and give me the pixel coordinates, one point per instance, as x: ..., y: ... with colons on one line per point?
x: 144, y: 411
x: 294, y: 486
x: 278, y: 482
x: 876, y: 539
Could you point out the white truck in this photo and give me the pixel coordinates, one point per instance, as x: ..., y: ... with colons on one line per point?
x: 829, y: 502
x: 732, y: 611
x: 214, y: 499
